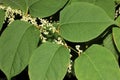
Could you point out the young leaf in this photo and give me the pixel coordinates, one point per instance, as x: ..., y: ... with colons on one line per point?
x: 84, y: 21
x: 16, y: 45
x: 116, y: 37
x: 45, y: 8
x: 107, y: 5
x: 2, y: 15
x: 49, y: 62
x: 97, y: 63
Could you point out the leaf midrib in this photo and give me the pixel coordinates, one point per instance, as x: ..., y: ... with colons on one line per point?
x: 50, y: 61
x: 97, y: 70
x: 18, y: 47
x: 87, y: 22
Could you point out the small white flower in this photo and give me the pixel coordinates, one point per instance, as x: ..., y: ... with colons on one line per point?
x: 78, y: 49
x: 119, y: 10
x: 70, y: 55
x: 2, y: 7
x: 46, y: 33
x: 44, y: 39
x: 70, y: 67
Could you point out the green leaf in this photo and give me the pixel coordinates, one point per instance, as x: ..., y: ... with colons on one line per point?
x: 97, y: 63
x: 81, y: 22
x: 118, y: 21
x: 37, y: 8
x: 44, y: 8
x: 49, y: 62
x: 16, y: 45
x: 109, y: 44
x: 107, y: 5
x: 2, y: 16
x: 116, y: 37
x: 117, y: 1
x: 16, y: 4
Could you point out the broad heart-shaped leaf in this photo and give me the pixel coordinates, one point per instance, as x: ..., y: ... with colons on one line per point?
x: 107, y: 5
x: 108, y: 43
x: 49, y: 62
x: 44, y: 8
x: 2, y: 15
x: 116, y: 37
x: 97, y: 63
x: 16, y: 4
x: 81, y: 22
x: 16, y: 45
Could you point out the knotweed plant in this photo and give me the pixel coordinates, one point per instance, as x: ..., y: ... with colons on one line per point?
x: 83, y: 44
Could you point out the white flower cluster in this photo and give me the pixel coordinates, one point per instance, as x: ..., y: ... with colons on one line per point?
x: 59, y: 41
x: 117, y: 9
x: 49, y: 33
x: 47, y: 30
x: 29, y: 19
x: 78, y: 49
x: 2, y: 7
x: 70, y: 67
x: 117, y: 12
x: 10, y: 14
